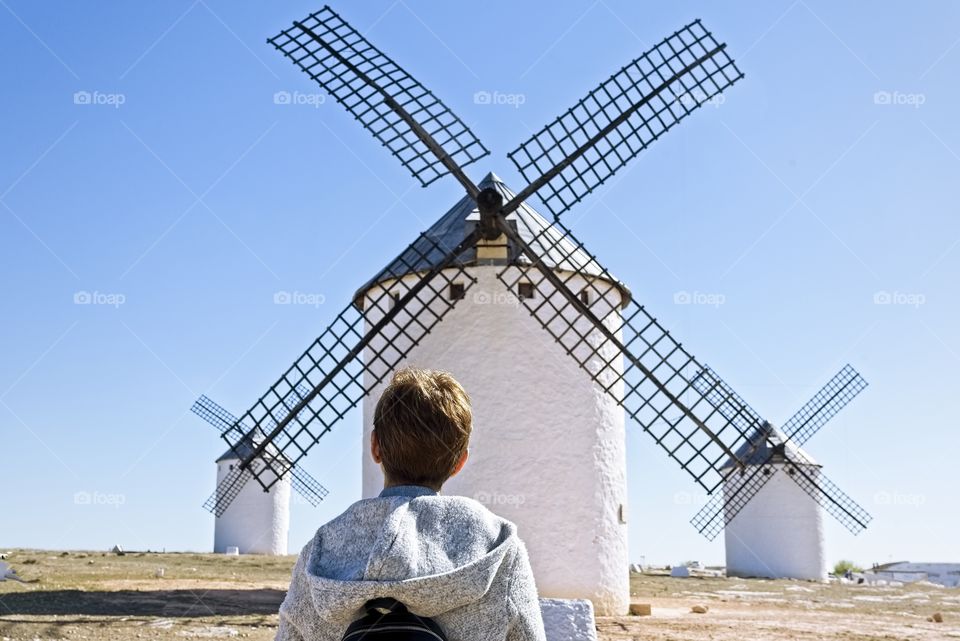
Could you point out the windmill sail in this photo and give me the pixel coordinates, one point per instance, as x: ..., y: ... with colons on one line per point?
x: 418, y: 129
x: 211, y: 411
x: 725, y: 505
x: 656, y: 385
x: 229, y: 488
x: 831, y: 498
x: 591, y: 141
x: 833, y: 397
x: 215, y: 414
x: 728, y: 402
x: 400, y: 313
x: 307, y: 486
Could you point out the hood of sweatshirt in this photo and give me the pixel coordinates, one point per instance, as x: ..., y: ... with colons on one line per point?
x: 433, y: 553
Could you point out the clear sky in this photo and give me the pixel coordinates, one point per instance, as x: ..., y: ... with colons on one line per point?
x: 181, y: 198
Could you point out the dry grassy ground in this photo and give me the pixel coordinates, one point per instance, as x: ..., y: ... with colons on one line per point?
x: 744, y: 610
x: 103, y: 596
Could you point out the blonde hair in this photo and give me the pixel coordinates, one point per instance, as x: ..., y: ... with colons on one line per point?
x: 422, y: 424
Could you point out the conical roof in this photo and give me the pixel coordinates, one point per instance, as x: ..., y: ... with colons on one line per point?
x: 557, y: 251
x: 248, y: 445
x: 767, y: 444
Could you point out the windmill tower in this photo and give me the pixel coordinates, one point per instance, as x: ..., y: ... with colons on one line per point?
x: 779, y: 533
x: 502, y: 298
x: 773, y: 522
x: 535, y: 413
x: 257, y: 521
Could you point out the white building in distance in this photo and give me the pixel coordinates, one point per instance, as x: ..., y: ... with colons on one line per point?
x: 945, y: 574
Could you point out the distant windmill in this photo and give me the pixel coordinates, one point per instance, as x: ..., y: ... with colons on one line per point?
x: 253, y: 521
x: 773, y: 527
x: 549, y: 444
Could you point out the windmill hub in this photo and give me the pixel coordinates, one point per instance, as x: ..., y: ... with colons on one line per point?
x: 489, y: 203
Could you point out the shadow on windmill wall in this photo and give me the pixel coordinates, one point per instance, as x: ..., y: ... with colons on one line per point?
x: 166, y: 603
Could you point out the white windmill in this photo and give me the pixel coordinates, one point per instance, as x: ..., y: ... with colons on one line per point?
x: 516, y: 295
x: 248, y: 517
x: 535, y: 413
x: 257, y: 521
x: 772, y: 521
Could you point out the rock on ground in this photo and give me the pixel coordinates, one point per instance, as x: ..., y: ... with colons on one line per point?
x: 568, y: 620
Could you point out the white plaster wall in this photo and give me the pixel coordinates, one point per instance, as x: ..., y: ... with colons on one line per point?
x: 257, y: 522
x: 548, y: 446
x: 779, y: 533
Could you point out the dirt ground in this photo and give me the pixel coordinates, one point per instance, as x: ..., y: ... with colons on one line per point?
x: 96, y: 596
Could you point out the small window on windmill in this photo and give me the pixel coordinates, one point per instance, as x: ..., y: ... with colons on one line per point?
x: 231, y: 467
x: 584, y: 296
x: 457, y: 291
x: 524, y: 290
x: 394, y: 299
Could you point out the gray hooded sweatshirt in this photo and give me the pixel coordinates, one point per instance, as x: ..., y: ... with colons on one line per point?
x: 445, y: 557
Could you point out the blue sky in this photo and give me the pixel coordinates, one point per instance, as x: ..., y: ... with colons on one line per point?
x: 184, y: 198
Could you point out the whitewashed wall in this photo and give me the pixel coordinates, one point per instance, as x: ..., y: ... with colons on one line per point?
x: 257, y: 522
x: 547, y: 450
x: 778, y: 534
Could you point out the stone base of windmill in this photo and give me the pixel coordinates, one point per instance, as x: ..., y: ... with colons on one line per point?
x: 568, y: 619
